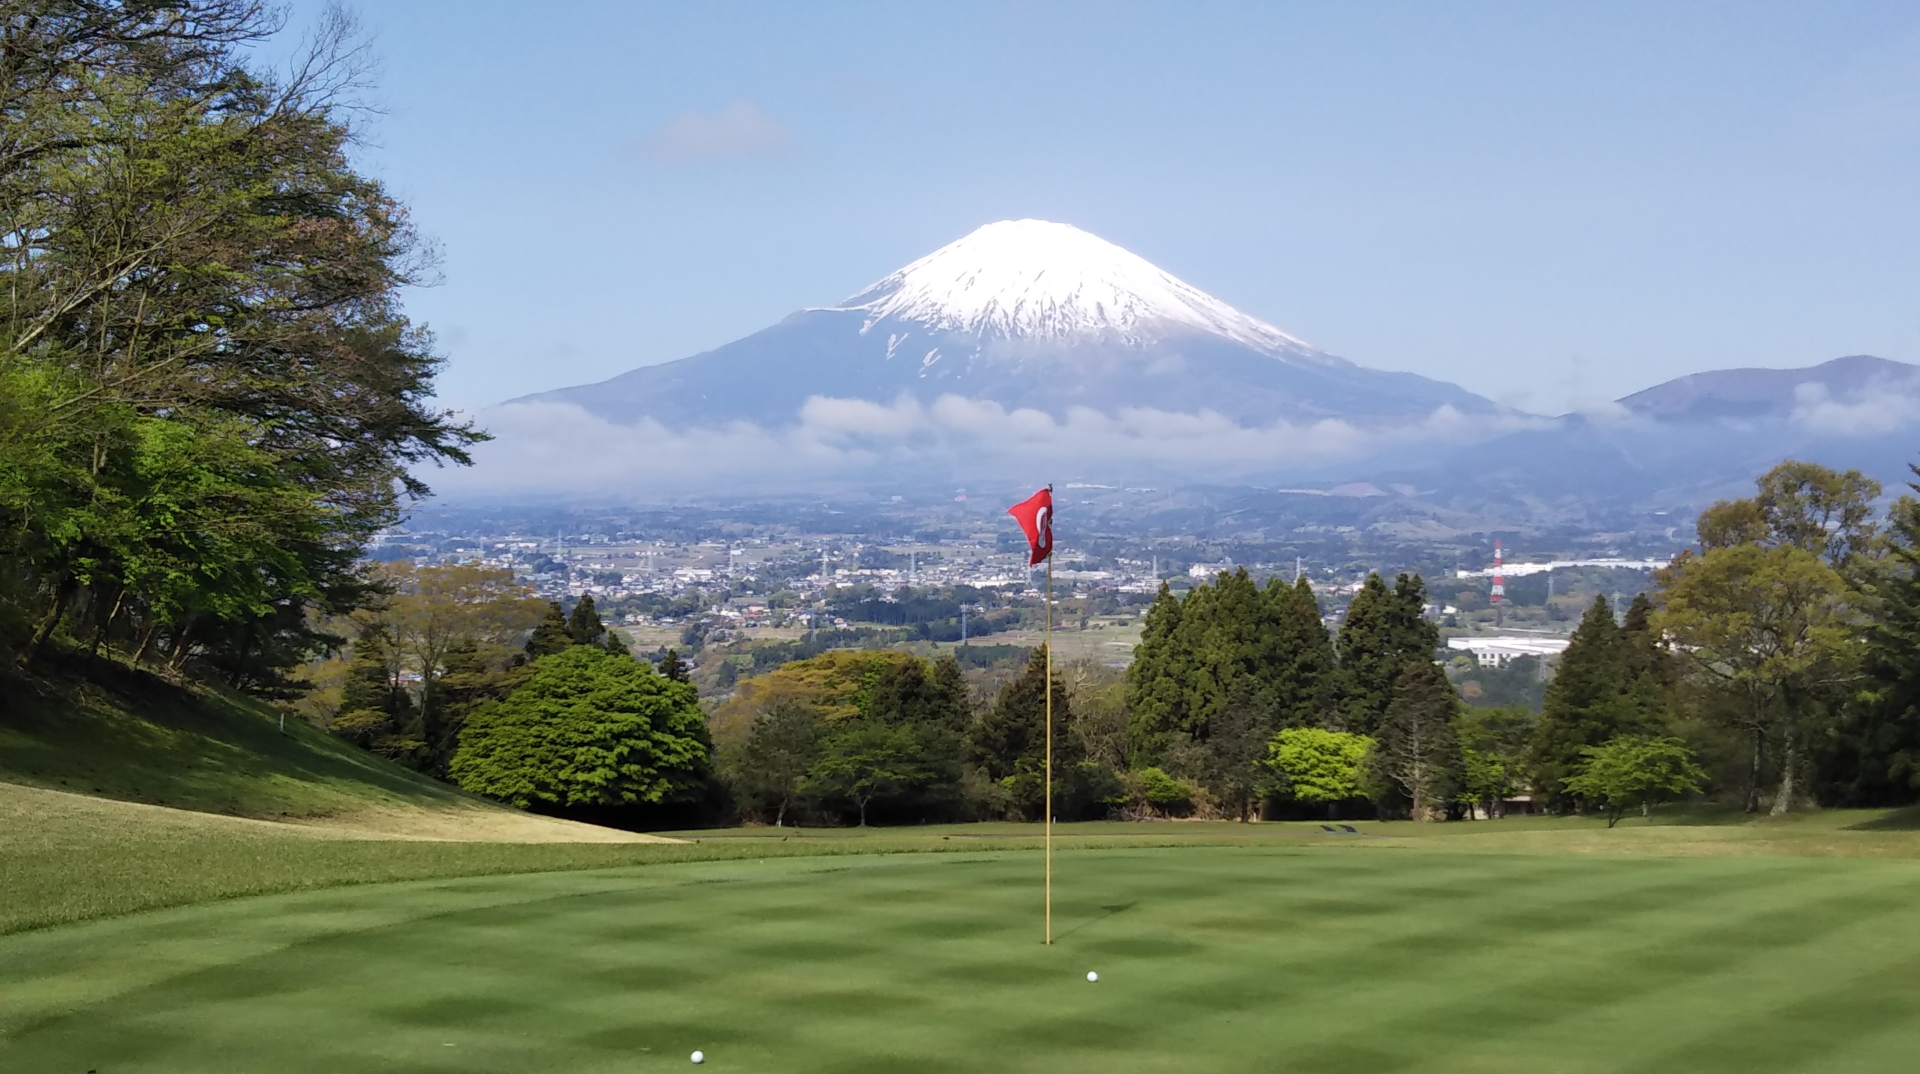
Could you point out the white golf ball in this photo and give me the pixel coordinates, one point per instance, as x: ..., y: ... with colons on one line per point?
x: 1092, y: 976
x: 699, y: 1057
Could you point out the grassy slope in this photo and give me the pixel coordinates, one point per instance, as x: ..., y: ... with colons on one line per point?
x: 100, y: 728
x: 1325, y: 958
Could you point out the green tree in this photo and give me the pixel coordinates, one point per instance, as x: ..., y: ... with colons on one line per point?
x: 867, y: 761
x: 1156, y: 680
x: 1416, y: 757
x: 1318, y: 766
x: 1875, y: 758
x: 1772, y: 628
x: 550, y: 634
x: 1493, y: 751
x: 588, y: 728
x: 584, y: 625
x: 1635, y: 770
x: 1304, y: 683
x: 209, y: 399
x: 1591, y: 699
x: 1008, y: 743
x: 1385, y: 632
x: 770, y: 769
x: 435, y: 610
x: 375, y: 710
x: 1231, y: 758
x: 675, y: 668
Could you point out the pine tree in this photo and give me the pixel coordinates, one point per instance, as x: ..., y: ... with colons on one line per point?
x: 1416, y: 754
x: 1009, y: 742
x: 551, y: 635
x: 1303, y: 682
x: 1875, y: 760
x: 1156, y: 692
x: 1646, y: 670
x: 1385, y: 632
x: 1608, y: 684
x: 584, y: 625
x: 373, y: 706
x: 675, y: 668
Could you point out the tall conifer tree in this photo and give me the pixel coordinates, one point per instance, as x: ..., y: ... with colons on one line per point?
x: 1302, y: 683
x: 1416, y: 754
x: 551, y: 635
x: 1608, y: 684
x: 1385, y: 632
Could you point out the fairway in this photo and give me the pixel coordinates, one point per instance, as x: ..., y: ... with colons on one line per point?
x: 1342, y: 958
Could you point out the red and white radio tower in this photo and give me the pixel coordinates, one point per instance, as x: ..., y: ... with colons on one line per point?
x: 1499, y: 596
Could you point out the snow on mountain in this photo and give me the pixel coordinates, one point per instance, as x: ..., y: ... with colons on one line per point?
x: 1027, y: 279
x: 1022, y: 315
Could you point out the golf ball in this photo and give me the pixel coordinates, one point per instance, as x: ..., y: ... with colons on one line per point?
x: 1092, y: 976
x: 699, y: 1057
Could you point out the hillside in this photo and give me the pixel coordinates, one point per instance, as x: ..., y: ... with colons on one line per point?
x: 100, y: 729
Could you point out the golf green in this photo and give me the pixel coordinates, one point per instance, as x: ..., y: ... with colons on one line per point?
x: 1211, y: 959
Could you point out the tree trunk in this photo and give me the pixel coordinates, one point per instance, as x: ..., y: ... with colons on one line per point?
x: 780, y: 815
x: 182, y: 645
x: 106, y: 624
x: 1753, y: 771
x: 62, y: 593
x: 862, y: 803
x: 146, y: 641
x: 1789, y: 759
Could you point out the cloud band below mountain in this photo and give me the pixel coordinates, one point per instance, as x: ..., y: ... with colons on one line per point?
x: 554, y: 448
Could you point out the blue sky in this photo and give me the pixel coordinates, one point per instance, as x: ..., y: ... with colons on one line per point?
x: 1549, y: 204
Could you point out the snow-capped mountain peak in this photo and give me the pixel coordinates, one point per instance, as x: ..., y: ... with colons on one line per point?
x: 1023, y: 279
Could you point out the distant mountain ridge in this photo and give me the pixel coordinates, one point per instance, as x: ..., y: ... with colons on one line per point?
x: 1022, y: 314
x: 1758, y: 393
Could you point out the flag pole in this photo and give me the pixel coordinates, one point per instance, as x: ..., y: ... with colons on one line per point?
x: 1049, y: 805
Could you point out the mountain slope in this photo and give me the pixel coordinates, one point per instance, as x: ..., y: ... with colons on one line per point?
x: 1771, y: 393
x: 1694, y: 439
x: 1021, y: 314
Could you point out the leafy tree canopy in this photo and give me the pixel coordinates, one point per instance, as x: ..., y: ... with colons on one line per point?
x: 587, y: 728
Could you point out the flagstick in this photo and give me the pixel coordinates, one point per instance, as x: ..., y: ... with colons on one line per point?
x: 1049, y: 806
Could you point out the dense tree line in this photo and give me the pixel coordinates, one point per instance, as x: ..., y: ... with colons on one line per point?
x: 209, y: 397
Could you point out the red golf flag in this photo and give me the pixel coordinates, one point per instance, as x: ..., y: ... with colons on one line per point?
x: 1035, y: 514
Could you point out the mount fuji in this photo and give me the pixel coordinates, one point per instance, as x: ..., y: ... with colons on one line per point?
x: 1022, y: 315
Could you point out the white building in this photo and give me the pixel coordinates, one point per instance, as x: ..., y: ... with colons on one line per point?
x: 1498, y: 652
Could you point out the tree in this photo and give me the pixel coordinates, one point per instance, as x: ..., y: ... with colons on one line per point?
x: 867, y: 761
x: 588, y: 728
x: 1635, y: 770
x: 1415, y: 754
x: 209, y: 399
x: 674, y: 668
x: 1196, y: 653
x: 1008, y: 744
x: 1156, y: 691
x: 1232, y: 756
x: 1594, y: 696
x: 1385, y: 632
x: 436, y: 609
x: 375, y: 710
x: 771, y: 767
x: 1875, y: 759
x: 1772, y: 628
x: 1493, y: 753
x: 584, y: 625
x: 1303, y: 687
x: 550, y: 635
x: 1317, y: 766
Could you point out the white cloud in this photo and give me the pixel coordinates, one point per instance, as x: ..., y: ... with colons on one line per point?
x: 733, y: 133
x: 1878, y: 409
x: 556, y: 448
